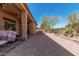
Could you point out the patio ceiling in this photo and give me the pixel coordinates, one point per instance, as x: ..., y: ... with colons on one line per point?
x: 16, y: 10
x: 11, y: 9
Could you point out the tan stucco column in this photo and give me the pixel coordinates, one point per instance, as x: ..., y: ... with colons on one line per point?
x: 31, y: 28
x: 1, y: 21
x: 24, y: 25
x: 1, y: 24
x: 34, y: 27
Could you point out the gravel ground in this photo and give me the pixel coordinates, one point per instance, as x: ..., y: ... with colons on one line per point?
x: 69, y: 45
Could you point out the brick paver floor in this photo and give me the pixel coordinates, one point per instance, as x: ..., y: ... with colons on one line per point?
x: 39, y: 44
x: 5, y: 48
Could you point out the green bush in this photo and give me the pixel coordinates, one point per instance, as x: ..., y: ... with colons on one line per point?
x: 68, y: 31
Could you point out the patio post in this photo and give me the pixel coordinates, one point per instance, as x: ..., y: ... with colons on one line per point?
x: 24, y: 25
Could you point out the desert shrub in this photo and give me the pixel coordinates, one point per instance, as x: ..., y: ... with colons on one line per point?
x: 68, y: 31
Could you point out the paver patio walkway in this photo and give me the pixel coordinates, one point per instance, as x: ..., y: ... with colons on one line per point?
x: 5, y: 48
x: 39, y: 45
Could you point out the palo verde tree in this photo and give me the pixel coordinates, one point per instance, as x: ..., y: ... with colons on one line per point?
x: 74, y: 21
x: 73, y: 24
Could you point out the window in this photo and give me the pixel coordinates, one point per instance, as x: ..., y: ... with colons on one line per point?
x: 9, y: 24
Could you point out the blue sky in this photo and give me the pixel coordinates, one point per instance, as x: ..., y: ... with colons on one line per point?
x: 53, y: 9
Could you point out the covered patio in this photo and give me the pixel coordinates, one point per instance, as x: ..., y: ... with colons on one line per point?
x: 16, y: 17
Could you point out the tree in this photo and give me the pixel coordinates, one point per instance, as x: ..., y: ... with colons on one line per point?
x: 48, y: 22
x: 72, y: 18
x: 73, y: 24
x: 44, y: 23
x: 73, y: 21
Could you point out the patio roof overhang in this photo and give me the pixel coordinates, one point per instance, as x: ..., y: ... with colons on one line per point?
x: 24, y: 8
x: 10, y: 9
x: 16, y: 10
